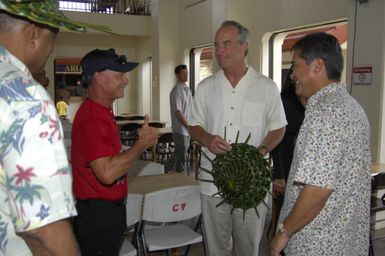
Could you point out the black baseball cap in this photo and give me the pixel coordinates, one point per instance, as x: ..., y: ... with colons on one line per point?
x: 99, y: 60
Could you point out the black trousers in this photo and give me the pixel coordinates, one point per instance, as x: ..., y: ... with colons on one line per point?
x: 99, y: 226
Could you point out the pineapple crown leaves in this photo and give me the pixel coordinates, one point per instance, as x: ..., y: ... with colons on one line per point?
x: 242, y: 175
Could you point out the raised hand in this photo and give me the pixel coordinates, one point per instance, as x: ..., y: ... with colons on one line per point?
x: 148, y: 135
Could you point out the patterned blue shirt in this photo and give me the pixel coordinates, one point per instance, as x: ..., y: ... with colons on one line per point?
x: 332, y: 151
x: 35, y: 178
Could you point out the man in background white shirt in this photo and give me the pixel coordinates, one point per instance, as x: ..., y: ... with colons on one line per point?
x: 181, y: 105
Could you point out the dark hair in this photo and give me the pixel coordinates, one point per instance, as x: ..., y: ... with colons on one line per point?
x: 86, y: 81
x: 323, y: 46
x: 179, y: 68
x: 288, y: 90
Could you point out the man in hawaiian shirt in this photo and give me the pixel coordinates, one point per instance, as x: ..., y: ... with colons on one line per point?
x: 327, y: 201
x: 35, y: 180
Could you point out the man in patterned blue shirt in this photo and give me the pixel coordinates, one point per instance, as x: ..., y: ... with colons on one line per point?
x: 327, y: 202
x: 35, y: 179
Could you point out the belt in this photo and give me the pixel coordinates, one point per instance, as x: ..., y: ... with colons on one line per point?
x: 99, y: 202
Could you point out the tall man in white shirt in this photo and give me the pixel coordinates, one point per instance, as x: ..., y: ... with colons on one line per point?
x: 181, y: 105
x: 240, y: 99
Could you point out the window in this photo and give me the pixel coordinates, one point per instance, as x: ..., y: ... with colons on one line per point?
x: 201, y: 65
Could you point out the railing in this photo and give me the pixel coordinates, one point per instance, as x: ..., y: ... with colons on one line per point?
x: 134, y: 7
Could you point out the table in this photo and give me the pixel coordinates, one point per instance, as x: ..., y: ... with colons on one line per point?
x: 164, y: 130
x: 378, y: 167
x: 123, y: 122
x: 146, y: 184
x: 130, y: 114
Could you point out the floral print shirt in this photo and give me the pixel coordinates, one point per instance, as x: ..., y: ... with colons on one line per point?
x: 332, y: 151
x: 35, y: 178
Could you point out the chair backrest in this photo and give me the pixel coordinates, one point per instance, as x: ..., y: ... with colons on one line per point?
x: 378, y: 181
x: 166, y: 138
x: 129, y: 133
x: 133, y: 208
x: 143, y: 168
x: 130, y: 127
x: 165, y: 144
x: 135, y: 117
x: 120, y: 118
x: 172, y: 204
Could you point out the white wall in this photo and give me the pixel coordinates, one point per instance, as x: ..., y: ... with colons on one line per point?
x: 129, y: 25
x: 369, y: 50
x: 196, y: 20
x: 77, y: 45
x: 144, y: 53
x: 165, y: 42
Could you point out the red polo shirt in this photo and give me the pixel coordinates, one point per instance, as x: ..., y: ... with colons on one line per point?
x: 94, y: 135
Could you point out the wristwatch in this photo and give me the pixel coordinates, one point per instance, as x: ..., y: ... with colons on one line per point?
x: 283, y: 230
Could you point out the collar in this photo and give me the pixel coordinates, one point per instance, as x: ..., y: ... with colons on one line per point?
x: 9, y: 58
x: 329, y: 89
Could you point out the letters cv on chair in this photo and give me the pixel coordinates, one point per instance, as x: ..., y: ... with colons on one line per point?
x: 170, y: 206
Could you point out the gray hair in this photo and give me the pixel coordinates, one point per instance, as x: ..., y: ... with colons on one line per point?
x: 243, y: 32
x: 8, y: 23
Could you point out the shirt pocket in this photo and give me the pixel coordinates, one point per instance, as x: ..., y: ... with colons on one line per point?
x: 252, y: 113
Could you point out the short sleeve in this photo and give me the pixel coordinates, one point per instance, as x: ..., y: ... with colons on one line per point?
x: 276, y: 117
x: 199, y: 112
x: 321, y: 150
x: 38, y: 178
x: 176, y: 99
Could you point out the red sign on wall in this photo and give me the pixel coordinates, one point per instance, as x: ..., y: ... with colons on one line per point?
x: 362, y: 75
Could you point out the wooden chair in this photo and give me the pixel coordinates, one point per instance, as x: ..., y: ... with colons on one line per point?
x: 156, y: 124
x: 165, y: 147
x: 129, y: 133
x: 135, y: 118
x: 120, y: 118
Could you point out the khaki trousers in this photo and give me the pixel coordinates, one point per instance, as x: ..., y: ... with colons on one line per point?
x: 227, y: 233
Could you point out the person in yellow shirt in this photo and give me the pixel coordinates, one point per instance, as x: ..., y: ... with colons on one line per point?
x: 61, y: 107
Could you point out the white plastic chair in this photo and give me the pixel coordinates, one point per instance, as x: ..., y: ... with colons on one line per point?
x: 143, y: 168
x: 133, y: 218
x: 127, y: 249
x: 133, y: 209
x: 169, y: 206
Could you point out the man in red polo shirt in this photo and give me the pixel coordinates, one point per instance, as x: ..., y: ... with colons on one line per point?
x: 99, y: 167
